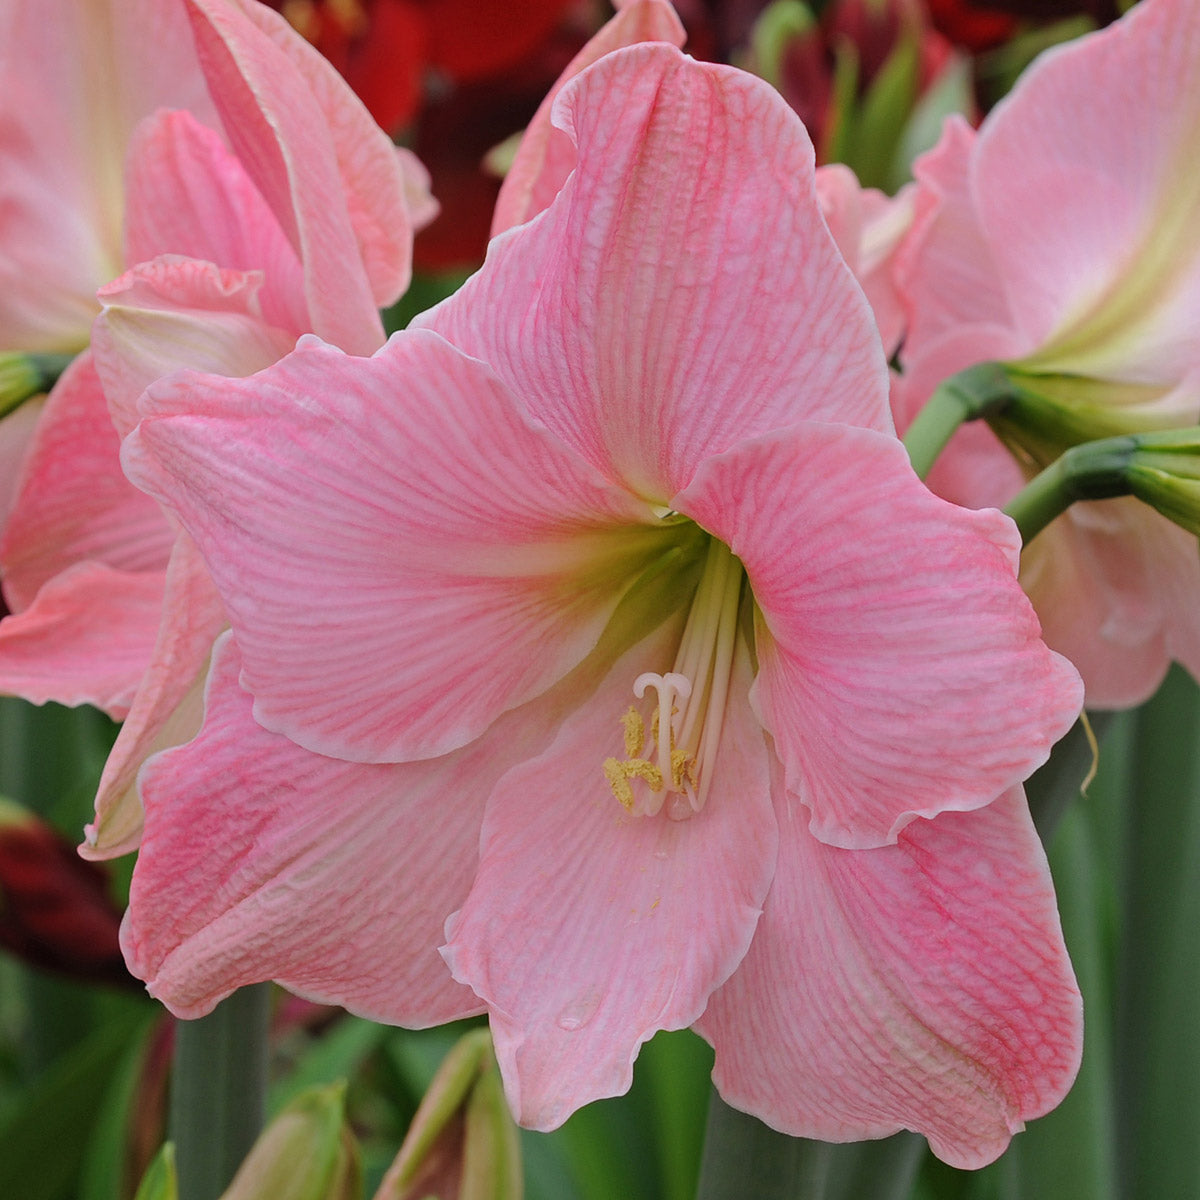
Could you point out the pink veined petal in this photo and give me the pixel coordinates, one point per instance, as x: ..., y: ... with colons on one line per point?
x: 189, y: 196
x: 918, y: 986
x: 868, y: 227
x: 1088, y: 189
x: 16, y: 434
x: 945, y: 271
x: 587, y: 929
x: 901, y: 672
x: 74, y: 504
x: 1114, y: 583
x: 85, y: 639
x: 167, y: 706
x: 72, y: 87
x: 682, y: 292
x: 547, y: 154
x: 262, y: 861
x: 327, y: 172
x: 174, y: 313
x: 403, y: 553
x: 386, y: 189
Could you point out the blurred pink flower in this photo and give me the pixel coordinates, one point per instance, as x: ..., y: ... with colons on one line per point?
x: 273, y: 209
x: 1061, y: 239
x: 577, y: 636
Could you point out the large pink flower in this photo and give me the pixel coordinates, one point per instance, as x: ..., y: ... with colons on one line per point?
x: 274, y: 208
x: 576, y: 632
x: 1061, y: 238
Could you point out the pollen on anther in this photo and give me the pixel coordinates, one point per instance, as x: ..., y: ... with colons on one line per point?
x: 614, y: 772
x: 635, y: 732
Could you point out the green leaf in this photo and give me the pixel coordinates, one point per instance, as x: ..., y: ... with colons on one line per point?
x: 43, y: 1142
x: 106, y: 1157
x: 159, y: 1181
x: 1158, y: 1030
x: 338, y: 1053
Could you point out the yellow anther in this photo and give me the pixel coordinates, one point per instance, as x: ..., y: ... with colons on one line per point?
x: 683, y: 766
x: 635, y: 732
x: 614, y: 772
x: 620, y: 773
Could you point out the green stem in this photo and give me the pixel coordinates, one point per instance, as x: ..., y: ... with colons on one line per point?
x: 1090, y: 471
x: 218, y: 1091
x: 743, y: 1157
x: 980, y: 391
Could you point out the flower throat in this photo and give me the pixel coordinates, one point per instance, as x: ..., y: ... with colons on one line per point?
x: 674, y: 764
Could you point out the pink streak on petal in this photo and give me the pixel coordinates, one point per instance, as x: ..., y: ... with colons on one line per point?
x: 900, y: 668
x: 166, y: 708
x: 922, y: 986
x: 74, y: 504
x: 85, y: 639
x: 189, y: 196
x: 588, y: 930
x: 280, y: 104
x: 547, y: 155
x: 260, y: 861
x: 174, y: 313
x: 682, y: 292
x: 404, y: 554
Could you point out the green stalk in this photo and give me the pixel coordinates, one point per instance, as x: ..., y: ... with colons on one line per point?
x: 743, y: 1157
x: 979, y: 391
x: 1089, y: 471
x: 218, y: 1091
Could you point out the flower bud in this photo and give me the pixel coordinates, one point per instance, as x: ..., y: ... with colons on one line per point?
x: 463, y: 1143
x: 1164, y: 472
x: 26, y: 375
x: 308, y: 1152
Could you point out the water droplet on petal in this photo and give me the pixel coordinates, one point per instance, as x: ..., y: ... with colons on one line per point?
x: 577, y: 1014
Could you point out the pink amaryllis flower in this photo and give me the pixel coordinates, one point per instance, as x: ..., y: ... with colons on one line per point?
x: 275, y: 207
x: 597, y: 661
x: 1060, y: 239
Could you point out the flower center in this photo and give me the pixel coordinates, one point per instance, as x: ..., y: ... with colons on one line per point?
x: 674, y: 764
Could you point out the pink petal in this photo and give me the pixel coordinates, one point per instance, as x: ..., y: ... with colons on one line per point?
x: 166, y: 708
x: 547, y: 155
x: 328, y: 173
x: 868, y: 227
x: 16, y: 436
x: 1112, y: 582
x: 72, y: 87
x: 918, y: 986
x: 175, y: 313
x: 587, y: 929
x: 74, y: 504
x: 85, y: 639
x: 189, y: 196
x: 403, y: 553
x: 262, y: 861
x: 1115, y: 585
x: 900, y: 668
x: 1088, y: 189
x: 682, y: 292
x: 945, y: 269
